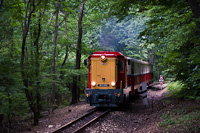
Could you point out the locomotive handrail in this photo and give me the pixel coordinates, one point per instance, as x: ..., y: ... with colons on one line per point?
x: 121, y: 84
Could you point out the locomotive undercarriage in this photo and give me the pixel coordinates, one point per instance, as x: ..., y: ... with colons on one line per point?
x: 107, y: 97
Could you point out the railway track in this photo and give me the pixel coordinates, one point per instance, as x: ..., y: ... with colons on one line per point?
x: 82, y: 122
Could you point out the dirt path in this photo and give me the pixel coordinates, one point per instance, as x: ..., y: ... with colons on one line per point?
x: 163, y: 114
x: 137, y: 115
x: 133, y: 117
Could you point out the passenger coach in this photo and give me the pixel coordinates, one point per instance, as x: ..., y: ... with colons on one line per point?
x: 112, y: 78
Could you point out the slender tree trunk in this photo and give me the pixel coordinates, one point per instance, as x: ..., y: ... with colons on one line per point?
x: 151, y: 57
x: 76, y: 88
x: 1, y: 3
x: 37, y: 65
x: 47, y: 33
x: 25, y: 30
x: 29, y: 10
x: 54, y: 61
x: 66, y: 53
x: 25, y: 33
x: 64, y: 61
x: 9, y: 109
x: 195, y: 7
x: 158, y: 74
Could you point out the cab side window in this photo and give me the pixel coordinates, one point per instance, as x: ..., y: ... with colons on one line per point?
x: 121, y: 65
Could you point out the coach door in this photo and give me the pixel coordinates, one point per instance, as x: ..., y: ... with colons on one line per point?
x: 122, y: 73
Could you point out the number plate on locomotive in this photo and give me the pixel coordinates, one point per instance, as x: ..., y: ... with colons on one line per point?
x: 103, y: 85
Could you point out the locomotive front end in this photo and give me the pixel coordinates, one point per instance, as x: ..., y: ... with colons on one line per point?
x: 104, y: 85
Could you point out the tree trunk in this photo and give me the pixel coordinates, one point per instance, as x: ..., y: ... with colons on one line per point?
x: 151, y: 60
x: 1, y: 3
x: 25, y: 29
x: 37, y: 65
x: 25, y: 33
x: 9, y: 109
x: 66, y: 53
x: 195, y: 7
x: 64, y: 61
x: 54, y: 61
x: 46, y: 35
x: 76, y: 89
x: 158, y: 75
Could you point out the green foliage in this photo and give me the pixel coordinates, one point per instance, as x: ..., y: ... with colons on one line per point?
x: 13, y: 101
x: 173, y: 30
x: 181, y: 120
x: 179, y: 90
x: 123, y: 36
x: 167, y: 120
x: 38, y: 62
x: 174, y: 88
x: 166, y: 29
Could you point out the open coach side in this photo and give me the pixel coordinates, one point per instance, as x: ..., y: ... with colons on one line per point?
x: 112, y: 78
x: 137, y: 72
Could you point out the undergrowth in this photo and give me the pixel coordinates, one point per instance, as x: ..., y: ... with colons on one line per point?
x: 181, y: 120
x: 174, y: 88
x: 179, y: 90
x: 184, y: 119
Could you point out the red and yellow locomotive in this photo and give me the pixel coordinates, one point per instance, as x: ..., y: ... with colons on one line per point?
x: 112, y: 78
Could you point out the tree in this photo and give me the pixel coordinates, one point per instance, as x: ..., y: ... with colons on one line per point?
x: 54, y: 54
x: 174, y: 29
x: 30, y: 8
x: 76, y: 89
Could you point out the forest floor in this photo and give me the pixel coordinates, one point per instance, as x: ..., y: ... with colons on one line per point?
x: 163, y: 114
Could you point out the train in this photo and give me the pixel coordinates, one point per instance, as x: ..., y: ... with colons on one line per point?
x: 113, y: 78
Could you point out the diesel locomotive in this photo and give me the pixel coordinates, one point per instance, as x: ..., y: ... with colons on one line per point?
x: 113, y: 78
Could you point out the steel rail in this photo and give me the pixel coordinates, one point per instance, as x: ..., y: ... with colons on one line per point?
x: 72, y: 122
x: 89, y: 122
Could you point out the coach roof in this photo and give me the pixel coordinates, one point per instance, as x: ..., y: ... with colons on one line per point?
x: 137, y: 61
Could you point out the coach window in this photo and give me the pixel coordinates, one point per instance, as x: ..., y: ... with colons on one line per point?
x: 121, y: 65
x: 132, y: 68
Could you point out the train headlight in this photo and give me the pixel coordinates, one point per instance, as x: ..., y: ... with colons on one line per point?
x: 93, y: 83
x: 113, y: 84
x: 103, y: 58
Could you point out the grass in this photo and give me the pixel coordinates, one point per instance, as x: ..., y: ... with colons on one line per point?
x: 167, y: 120
x: 181, y: 120
x: 174, y: 88
x: 178, y: 90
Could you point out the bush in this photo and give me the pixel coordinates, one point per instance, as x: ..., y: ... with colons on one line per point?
x: 174, y: 88
x: 180, y: 90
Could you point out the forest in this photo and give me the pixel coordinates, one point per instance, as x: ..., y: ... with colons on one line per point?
x: 43, y: 44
